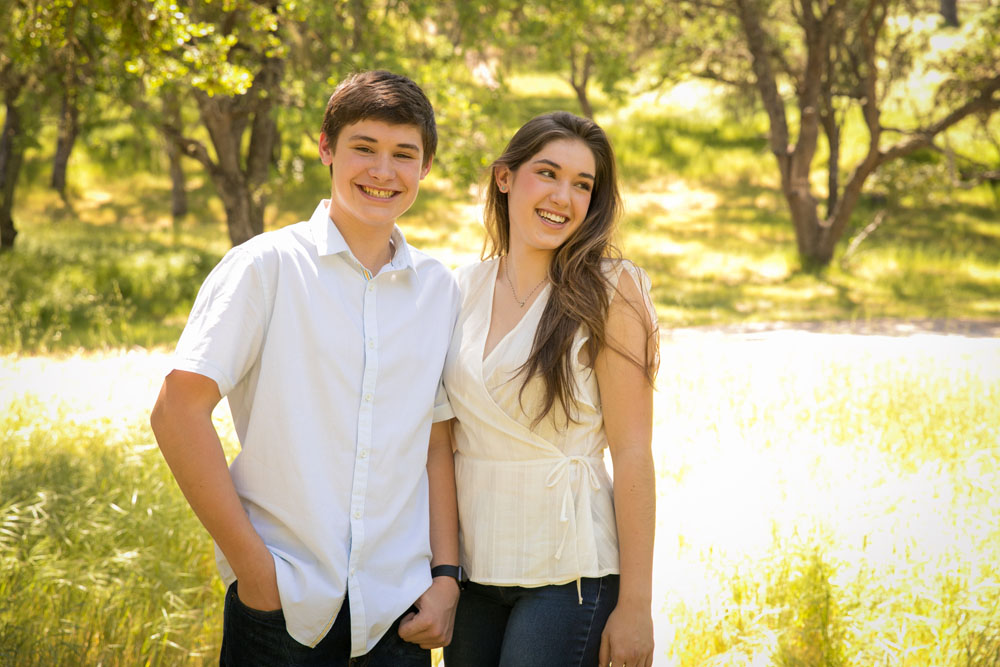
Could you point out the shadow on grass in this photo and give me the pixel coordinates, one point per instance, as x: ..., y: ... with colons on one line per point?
x: 738, y: 262
x: 75, y: 284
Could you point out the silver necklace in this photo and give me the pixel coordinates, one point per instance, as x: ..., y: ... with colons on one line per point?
x: 506, y: 274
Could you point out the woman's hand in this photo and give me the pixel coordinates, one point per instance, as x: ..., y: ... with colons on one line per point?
x: 627, y: 640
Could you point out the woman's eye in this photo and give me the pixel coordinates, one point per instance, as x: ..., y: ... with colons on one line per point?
x: 584, y: 186
x: 547, y: 173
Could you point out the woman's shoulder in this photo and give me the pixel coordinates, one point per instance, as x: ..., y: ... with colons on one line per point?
x: 470, y: 275
x: 615, y: 267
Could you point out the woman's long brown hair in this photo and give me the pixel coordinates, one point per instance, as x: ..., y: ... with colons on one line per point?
x: 581, y: 293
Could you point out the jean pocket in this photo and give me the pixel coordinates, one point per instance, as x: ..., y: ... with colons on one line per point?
x: 273, y: 617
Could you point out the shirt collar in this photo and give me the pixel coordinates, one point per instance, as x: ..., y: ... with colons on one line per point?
x: 329, y: 240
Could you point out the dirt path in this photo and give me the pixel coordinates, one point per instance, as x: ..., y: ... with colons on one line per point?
x: 899, y: 328
x: 122, y: 384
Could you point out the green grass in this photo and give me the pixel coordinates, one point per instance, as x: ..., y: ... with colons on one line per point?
x: 76, y: 285
x: 822, y: 500
x: 102, y: 561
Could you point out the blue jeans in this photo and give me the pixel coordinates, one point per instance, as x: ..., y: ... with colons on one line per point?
x: 511, y: 626
x: 253, y: 638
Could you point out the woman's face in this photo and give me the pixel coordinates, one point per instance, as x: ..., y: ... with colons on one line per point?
x: 549, y: 194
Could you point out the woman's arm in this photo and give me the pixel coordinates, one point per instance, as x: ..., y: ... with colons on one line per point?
x: 627, y: 404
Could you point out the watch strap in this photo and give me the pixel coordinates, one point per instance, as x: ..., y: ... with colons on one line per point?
x: 453, y: 571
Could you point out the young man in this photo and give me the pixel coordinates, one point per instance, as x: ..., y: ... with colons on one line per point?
x: 328, y: 337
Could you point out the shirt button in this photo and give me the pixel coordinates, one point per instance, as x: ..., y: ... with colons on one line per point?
x: 357, y: 514
x: 353, y: 570
x: 368, y: 398
x: 364, y: 453
x: 371, y: 343
x: 371, y: 287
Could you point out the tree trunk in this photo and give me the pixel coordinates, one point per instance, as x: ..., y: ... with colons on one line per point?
x: 359, y: 24
x: 243, y: 191
x: 69, y: 126
x: 178, y: 184
x: 578, y: 78
x: 11, y: 158
x: 794, y: 162
x: 178, y: 189
x: 949, y: 10
x: 244, y: 218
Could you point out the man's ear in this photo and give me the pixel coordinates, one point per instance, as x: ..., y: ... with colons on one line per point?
x: 427, y: 167
x: 325, y: 149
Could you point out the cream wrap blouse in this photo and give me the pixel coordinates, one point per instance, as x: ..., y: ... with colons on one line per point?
x: 535, y: 503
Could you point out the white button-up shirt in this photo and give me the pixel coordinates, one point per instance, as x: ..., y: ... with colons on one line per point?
x: 333, y: 382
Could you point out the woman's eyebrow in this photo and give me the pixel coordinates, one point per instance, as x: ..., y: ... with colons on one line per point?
x: 558, y: 166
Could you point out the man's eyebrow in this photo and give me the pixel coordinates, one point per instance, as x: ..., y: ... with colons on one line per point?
x: 372, y: 140
x: 558, y: 166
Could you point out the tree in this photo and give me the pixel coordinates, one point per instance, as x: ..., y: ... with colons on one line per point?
x: 23, y: 66
x: 12, y: 144
x: 77, y: 51
x: 229, y: 57
x: 845, y: 55
x: 583, y: 41
x: 258, y: 68
x: 48, y: 50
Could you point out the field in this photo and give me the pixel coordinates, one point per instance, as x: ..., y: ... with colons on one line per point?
x: 824, y: 498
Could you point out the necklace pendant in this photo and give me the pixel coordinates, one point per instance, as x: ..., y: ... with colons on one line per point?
x: 506, y: 274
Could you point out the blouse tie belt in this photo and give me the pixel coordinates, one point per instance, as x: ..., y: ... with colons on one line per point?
x: 559, y: 475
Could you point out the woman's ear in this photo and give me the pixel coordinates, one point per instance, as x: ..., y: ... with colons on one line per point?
x: 502, y: 175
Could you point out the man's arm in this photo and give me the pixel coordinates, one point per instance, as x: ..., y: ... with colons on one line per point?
x: 432, y: 626
x: 182, y: 423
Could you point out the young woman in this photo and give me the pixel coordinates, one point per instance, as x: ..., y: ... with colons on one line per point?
x: 553, y: 359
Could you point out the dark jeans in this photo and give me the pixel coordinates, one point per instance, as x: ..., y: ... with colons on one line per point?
x: 511, y: 626
x: 252, y: 638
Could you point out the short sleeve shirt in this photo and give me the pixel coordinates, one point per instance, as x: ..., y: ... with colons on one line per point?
x: 333, y: 381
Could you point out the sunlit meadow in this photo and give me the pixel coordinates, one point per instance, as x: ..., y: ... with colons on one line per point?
x: 822, y: 500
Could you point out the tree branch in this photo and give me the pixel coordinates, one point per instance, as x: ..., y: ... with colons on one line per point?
x: 985, y: 102
x: 765, y: 82
x: 190, y: 147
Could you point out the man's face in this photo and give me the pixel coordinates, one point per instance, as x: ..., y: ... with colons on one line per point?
x: 377, y: 169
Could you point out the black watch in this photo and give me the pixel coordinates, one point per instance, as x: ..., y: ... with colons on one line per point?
x: 454, y: 571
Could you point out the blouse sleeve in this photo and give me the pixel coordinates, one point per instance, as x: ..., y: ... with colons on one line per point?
x: 614, y: 269
x: 642, y: 281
